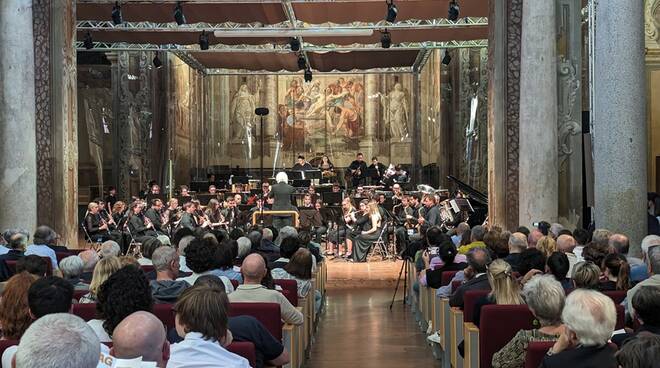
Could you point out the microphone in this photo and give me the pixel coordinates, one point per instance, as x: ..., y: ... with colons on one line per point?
x: 261, y: 111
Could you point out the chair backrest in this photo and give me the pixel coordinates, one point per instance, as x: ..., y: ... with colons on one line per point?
x: 246, y: 350
x: 446, y: 276
x: 77, y: 251
x: 147, y: 268
x: 77, y: 294
x: 616, y: 295
x: 11, y: 264
x: 455, y: 285
x: 469, y: 301
x: 289, y: 289
x: 535, y: 352
x: 86, y: 311
x: 165, y: 314
x: 620, y: 317
x: 266, y: 313
x: 498, y: 325
x: 61, y: 255
x: 234, y: 283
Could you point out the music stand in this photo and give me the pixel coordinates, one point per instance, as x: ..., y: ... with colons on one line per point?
x: 302, y: 183
x: 332, y: 198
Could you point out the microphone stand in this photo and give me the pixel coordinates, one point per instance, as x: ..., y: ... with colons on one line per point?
x: 261, y: 111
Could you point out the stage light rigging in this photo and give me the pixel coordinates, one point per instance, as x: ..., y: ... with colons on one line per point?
x: 454, y: 11
x: 392, y: 11
x: 157, y: 63
x: 308, y: 75
x: 302, y: 63
x: 385, y: 39
x: 447, y: 59
x: 204, y: 41
x: 116, y: 14
x: 88, y: 42
x: 179, y: 17
x: 295, y: 44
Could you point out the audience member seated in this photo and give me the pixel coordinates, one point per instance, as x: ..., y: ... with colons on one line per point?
x: 478, y: 260
x: 653, y: 261
x: 646, y: 304
x: 641, y: 272
x: 15, y: 315
x: 476, y: 240
x: 288, y: 247
x: 582, y: 238
x: 616, y: 271
x: 110, y: 248
x: 534, y: 237
x: 595, y: 253
x: 58, y: 340
x: 165, y: 288
x: 182, y: 245
x: 41, y: 238
x: 589, y: 319
x: 244, y: 248
x: 147, y: 249
x: 252, y: 291
x: 545, y: 298
x: 286, y: 232
x: 566, y: 244
x: 517, y: 244
x: 201, y: 319
x: 200, y: 258
x: 32, y: 264
x: 104, y: 268
x: 90, y: 258
x: 224, y: 257
x: 141, y: 335
x: 448, y: 259
x: 558, y: 265
x: 532, y: 262
x: 71, y: 268
x: 601, y: 237
x: 267, y: 247
x: 586, y: 276
x: 642, y: 352
x: 17, y: 244
x: 546, y: 245
x: 299, y: 268
x: 458, y: 233
x: 504, y: 288
x: 124, y: 292
x: 497, y: 243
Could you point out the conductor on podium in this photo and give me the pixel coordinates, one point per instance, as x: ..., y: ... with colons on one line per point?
x: 281, y: 194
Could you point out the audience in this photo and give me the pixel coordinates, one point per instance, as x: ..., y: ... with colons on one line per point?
x: 476, y: 240
x: 517, y: 244
x: 447, y: 259
x: 17, y: 243
x: 558, y: 266
x: 103, y: 270
x: 642, y: 352
x: 166, y: 288
x: 601, y: 238
x: 582, y: 238
x: 589, y: 318
x: 586, y: 276
x: 566, y: 244
x: 478, y: 260
x: 653, y: 261
x: 33, y: 264
x: 532, y: 262
x: 545, y: 298
x: 224, y: 257
x: 546, y: 245
x: 616, y: 272
x: 109, y: 248
x: 458, y: 233
x: 645, y: 304
x: 200, y: 258
x: 90, y: 258
x: 149, y: 245
x: 71, y: 268
x: 42, y: 238
x: 15, y: 315
x: 183, y: 244
x: 504, y: 288
x: 141, y: 335
x: 534, y: 237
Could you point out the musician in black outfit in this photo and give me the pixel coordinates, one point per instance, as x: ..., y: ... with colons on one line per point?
x: 281, y: 193
x: 231, y: 212
x: 111, y: 199
x: 376, y: 171
x: 187, y: 218
x: 153, y: 214
x: 302, y: 165
x: 97, y: 228
x: 358, y: 171
x: 141, y: 228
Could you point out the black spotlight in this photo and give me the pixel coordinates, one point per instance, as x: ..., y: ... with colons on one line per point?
x: 295, y: 44
x: 204, y: 41
x: 157, y: 63
x: 392, y: 11
x: 308, y: 75
x: 385, y: 39
x: 88, y: 42
x: 116, y: 14
x: 302, y: 63
x: 447, y: 59
x: 179, y: 17
x: 454, y: 10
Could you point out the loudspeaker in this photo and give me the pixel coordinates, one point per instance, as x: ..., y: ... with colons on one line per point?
x: 261, y: 111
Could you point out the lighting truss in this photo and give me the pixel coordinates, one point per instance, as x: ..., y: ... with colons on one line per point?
x: 392, y: 70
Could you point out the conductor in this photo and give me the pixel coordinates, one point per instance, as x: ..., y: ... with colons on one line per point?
x: 281, y: 193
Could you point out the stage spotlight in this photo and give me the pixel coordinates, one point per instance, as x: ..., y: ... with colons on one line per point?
x: 204, y: 41
x: 295, y: 44
x: 179, y: 17
x: 447, y: 59
x: 157, y: 63
x: 302, y: 63
x: 116, y: 14
x: 88, y: 42
x: 308, y: 75
x: 385, y: 39
x: 392, y: 11
x: 454, y: 10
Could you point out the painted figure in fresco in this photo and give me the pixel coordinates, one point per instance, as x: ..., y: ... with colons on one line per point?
x: 294, y: 94
x: 395, y: 105
x: 348, y: 120
x: 242, y: 111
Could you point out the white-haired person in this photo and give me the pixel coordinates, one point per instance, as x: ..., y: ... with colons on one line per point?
x: 545, y: 298
x: 109, y: 248
x: 71, y: 268
x: 281, y: 195
x: 589, y: 318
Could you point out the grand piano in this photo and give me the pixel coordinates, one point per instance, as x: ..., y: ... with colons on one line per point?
x: 478, y: 200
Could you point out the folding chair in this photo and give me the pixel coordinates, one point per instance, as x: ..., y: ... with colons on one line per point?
x: 380, y: 248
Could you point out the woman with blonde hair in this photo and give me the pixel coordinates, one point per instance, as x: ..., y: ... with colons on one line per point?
x: 370, y: 233
x: 104, y: 268
x: 504, y: 287
x: 15, y: 315
x: 547, y: 245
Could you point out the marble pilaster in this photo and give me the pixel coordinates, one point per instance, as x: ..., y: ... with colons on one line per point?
x: 416, y: 147
x: 18, y: 171
x: 619, y: 119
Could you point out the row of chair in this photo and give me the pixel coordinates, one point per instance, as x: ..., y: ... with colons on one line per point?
x: 498, y: 325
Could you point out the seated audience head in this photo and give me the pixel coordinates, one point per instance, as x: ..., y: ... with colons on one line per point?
x: 267, y: 234
x: 44, y: 235
x: 615, y: 266
x: 555, y: 230
x: 524, y: 230
x: 601, y: 237
x: 646, y: 304
x: 581, y: 236
x: 531, y: 259
x: 517, y: 243
x: 533, y: 238
x: 447, y: 252
x: 90, y: 258
x: 255, y: 238
x: 586, y: 275
x: 184, y: 242
x: 244, y: 243
x: 244, y: 248
x: 204, y: 310
x: 594, y: 253
x: 304, y: 238
x: 478, y: 260
x: 544, y: 227
x: 477, y: 233
x: 589, y: 317
x: 141, y: 334
x: 180, y: 234
x: 558, y: 266
x: 124, y: 292
x: 253, y: 269
x: 462, y: 227
x: 286, y: 232
x: 289, y: 246
x: 148, y: 247
x: 18, y: 241
x: 50, y: 340
x: 649, y: 241
x: 71, y: 267
x: 619, y: 243
x: 545, y: 297
x: 14, y: 309
x: 300, y: 265
x: 640, y: 352
x: 128, y: 261
x: 110, y: 248
x: 653, y: 260
x: 504, y: 287
x: 224, y: 255
x: 49, y: 295
x: 200, y: 255
x: 546, y: 245
x: 32, y: 264
x: 435, y: 236
x: 166, y: 262
x: 566, y: 243
x: 103, y: 270
x: 210, y: 281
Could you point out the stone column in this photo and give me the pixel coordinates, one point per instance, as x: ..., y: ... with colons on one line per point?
x: 416, y: 147
x: 271, y: 103
x: 372, y: 104
x: 538, y: 185
x: 619, y: 119
x: 18, y: 171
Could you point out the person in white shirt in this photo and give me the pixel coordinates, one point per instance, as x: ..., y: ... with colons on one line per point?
x: 141, y: 335
x: 201, y: 319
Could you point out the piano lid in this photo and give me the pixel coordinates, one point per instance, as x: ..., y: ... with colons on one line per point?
x: 473, y: 193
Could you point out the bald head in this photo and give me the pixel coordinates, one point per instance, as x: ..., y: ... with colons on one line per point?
x: 141, y: 334
x: 534, y: 237
x: 566, y: 243
x: 619, y: 243
x: 253, y: 269
x: 90, y: 258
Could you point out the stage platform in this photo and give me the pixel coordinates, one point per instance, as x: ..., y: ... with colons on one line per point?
x: 372, y: 274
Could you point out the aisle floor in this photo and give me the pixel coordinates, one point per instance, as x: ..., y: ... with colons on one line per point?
x: 359, y: 330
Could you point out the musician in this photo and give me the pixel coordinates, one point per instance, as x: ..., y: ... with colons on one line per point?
x: 153, y: 214
x: 139, y: 225
x: 171, y: 215
x: 431, y: 216
x: 265, y: 189
x: 155, y: 189
x: 358, y: 170
x: 322, y: 228
x: 281, y: 193
x: 326, y: 167
x: 105, y: 215
x: 404, y: 214
x: 143, y: 194
x: 111, y: 198
x: 185, y: 192
x: 97, y: 228
x: 400, y: 175
x: 336, y: 188
x: 338, y: 234
x: 416, y: 205
x: 231, y: 212
x: 376, y: 171
x: 214, y: 214
x: 118, y: 211
x: 366, y: 231
x: 302, y: 165
x: 310, y: 217
x: 397, y: 194
x: 213, y: 190
x: 187, y: 218
x: 199, y: 215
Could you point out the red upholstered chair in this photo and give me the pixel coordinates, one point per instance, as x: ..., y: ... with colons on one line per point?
x: 11, y: 264
x: 267, y: 313
x: 498, y: 325
x: 455, y: 285
x: 245, y: 349
x: 234, y: 283
x: 4, y: 344
x: 77, y: 294
x: 289, y: 289
x: 535, y: 352
x: 85, y: 311
x: 147, y: 268
x: 620, y: 317
x: 446, y: 276
x: 165, y: 314
x: 617, y: 295
x: 61, y: 255
x: 76, y: 251
x: 469, y: 300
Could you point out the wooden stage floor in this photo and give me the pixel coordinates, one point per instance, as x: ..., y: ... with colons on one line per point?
x: 372, y: 274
